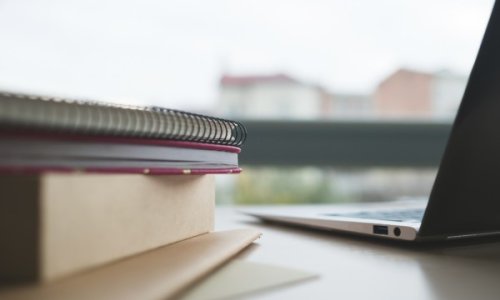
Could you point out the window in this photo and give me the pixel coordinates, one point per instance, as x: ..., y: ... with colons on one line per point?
x: 336, y: 62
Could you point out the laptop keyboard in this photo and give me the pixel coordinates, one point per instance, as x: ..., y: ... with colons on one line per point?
x: 406, y: 215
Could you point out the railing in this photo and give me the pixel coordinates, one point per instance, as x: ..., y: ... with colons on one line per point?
x: 345, y: 144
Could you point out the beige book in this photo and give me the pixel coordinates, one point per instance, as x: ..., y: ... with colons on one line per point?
x: 57, y: 224
x: 162, y: 273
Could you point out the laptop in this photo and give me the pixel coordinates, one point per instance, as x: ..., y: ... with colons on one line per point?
x: 465, y: 198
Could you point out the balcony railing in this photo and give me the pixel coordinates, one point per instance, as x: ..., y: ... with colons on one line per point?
x: 344, y: 144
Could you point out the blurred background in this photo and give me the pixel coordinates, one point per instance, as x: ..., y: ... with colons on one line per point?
x: 345, y: 100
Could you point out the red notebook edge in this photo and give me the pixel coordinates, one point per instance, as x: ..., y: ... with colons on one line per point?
x: 35, y: 135
x: 105, y: 170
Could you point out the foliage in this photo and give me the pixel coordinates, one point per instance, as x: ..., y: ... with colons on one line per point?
x: 283, y: 186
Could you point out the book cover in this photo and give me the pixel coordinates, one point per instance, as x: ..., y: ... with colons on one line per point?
x: 53, y: 225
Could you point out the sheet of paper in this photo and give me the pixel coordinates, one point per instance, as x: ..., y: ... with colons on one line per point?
x: 241, y: 278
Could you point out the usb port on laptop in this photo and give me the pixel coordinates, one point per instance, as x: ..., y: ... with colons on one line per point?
x: 380, y: 229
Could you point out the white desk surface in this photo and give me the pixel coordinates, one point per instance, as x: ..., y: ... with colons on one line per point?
x: 360, y: 268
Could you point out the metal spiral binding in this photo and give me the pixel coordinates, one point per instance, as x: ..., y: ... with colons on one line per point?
x: 90, y: 117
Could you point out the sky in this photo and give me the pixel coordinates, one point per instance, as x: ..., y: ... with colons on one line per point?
x: 172, y: 53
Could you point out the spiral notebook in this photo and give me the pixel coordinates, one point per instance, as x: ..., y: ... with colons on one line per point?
x: 20, y: 111
x: 39, y: 133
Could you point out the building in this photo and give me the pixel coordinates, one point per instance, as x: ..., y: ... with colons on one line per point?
x: 276, y: 96
x: 351, y: 106
x: 403, y: 94
x: 447, y: 92
x: 415, y: 94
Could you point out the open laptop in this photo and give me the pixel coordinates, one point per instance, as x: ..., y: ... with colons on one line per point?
x: 465, y: 199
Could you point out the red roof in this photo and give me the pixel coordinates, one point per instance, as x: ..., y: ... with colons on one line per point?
x: 253, y: 79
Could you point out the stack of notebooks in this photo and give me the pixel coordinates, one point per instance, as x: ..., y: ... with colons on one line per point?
x: 84, y: 185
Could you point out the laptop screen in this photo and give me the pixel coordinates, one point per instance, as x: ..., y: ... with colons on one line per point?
x: 466, y: 194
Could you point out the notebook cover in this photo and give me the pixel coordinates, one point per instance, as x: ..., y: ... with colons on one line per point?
x: 158, y: 274
x: 9, y: 134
